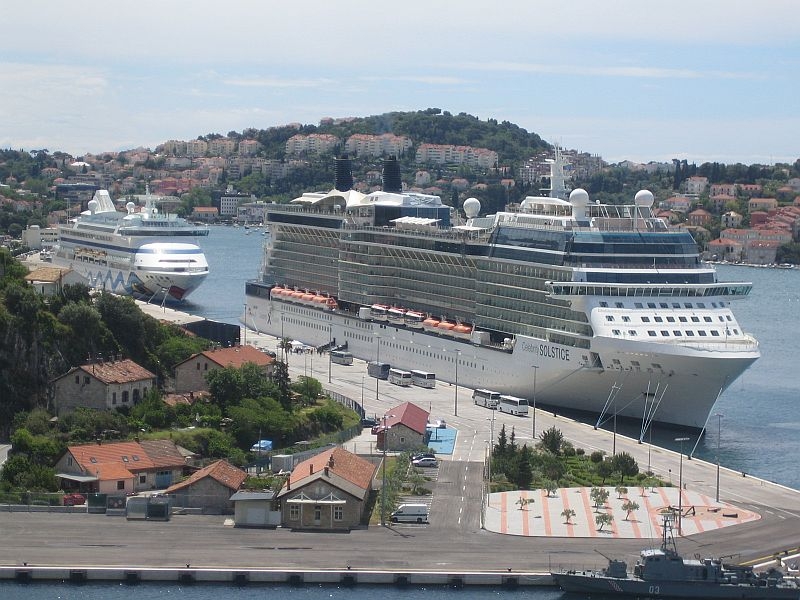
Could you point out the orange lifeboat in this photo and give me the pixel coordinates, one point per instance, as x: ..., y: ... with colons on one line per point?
x: 295, y: 296
x: 462, y: 331
x: 332, y: 304
x: 307, y: 298
x: 430, y: 324
x: 445, y: 327
x: 276, y: 292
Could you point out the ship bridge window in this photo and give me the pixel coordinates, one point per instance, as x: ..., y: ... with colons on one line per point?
x: 632, y: 332
x: 609, y: 317
x: 670, y: 319
x: 714, y: 304
x: 682, y: 319
x: 626, y: 319
x: 690, y: 333
x: 702, y: 333
x: 604, y: 304
x: 615, y: 331
x: 736, y: 331
x: 663, y: 305
x: 728, y: 317
x: 701, y: 305
x: 659, y: 319
x: 665, y: 333
x: 715, y: 333
x: 687, y: 305
x: 677, y: 332
x: 695, y: 319
x: 651, y: 333
x: 721, y: 318
x: 676, y: 305
x: 707, y: 319
x: 651, y: 305
x: 619, y: 305
x: 638, y: 305
x: 645, y: 319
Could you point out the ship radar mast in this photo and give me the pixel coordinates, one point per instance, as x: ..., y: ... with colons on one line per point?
x: 558, y: 179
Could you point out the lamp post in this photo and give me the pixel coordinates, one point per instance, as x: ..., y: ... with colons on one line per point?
x: 719, y: 435
x: 244, y: 329
x: 377, y: 360
x: 680, y: 484
x: 330, y: 347
x: 455, y: 397
x: 383, y: 476
x: 491, y: 454
x: 533, y: 426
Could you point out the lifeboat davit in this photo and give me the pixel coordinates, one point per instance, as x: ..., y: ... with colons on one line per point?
x: 396, y: 315
x: 414, y: 319
x: 332, y: 304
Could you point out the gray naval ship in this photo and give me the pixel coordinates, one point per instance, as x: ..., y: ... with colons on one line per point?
x: 663, y: 573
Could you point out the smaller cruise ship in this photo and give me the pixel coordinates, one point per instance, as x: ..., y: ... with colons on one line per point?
x: 136, y: 252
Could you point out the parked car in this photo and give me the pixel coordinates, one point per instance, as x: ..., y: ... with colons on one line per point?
x: 367, y: 422
x: 424, y: 462
x: 74, y: 499
x: 419, y: 455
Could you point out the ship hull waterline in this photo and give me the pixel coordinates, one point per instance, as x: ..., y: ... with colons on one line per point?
x: 680, y: 392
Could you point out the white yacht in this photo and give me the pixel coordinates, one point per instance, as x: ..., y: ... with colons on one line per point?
x: 136, y: 252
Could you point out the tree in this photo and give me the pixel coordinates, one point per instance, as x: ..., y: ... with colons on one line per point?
x: 629, y: 506
x: 603, y: 519
x: 621, y: 491
x: 568, y: 514
x: 604, y: 469
x: 524, y: 471
x: 624, y: 464
x: 524, y: 502
x: 551, y: 440
x: 599, y: 496
x: 502, y: 442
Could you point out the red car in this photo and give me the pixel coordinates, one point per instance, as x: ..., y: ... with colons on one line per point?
x: 74, y: 499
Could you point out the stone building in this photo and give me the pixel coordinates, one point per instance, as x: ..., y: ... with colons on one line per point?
x: 209, y: 489
x: 405, y: 428
x: 103, y: 384
x: 328, y: 491
x: 190, y: 375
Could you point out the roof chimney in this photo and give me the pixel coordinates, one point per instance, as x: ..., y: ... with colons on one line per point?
x: 326, y: 471
x: 311, y: 469
x: 330, y: 461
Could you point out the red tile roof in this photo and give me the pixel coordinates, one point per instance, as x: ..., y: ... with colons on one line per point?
x: 237, y: 356
x: 221, y: 471
x: 410, y: 415
x: 346, y: 465
x: 119, y: 371
x: 111, y: 460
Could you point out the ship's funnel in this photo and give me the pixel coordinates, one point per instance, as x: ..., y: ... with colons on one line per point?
x: 391, y: 175
x: 343, y: 174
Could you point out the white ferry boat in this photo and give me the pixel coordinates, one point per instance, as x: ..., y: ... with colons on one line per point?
x: 142, y: 253
x: 570, y: 303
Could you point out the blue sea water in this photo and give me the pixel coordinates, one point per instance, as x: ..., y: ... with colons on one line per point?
x: 761, y: 405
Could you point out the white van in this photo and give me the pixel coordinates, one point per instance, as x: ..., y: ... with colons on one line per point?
x: 410, y: 513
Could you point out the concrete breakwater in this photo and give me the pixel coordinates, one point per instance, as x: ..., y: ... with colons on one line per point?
x: 344, y: 577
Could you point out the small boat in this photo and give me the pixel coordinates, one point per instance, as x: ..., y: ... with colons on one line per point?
x: 397, y: 316
x: 462, y: 331
x: 663, y: 573
x: 445, y: 327
x: 430, y: 324
x: 379, y: 312
x: 414, y: 319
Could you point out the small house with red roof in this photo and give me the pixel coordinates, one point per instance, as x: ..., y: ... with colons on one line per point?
x: 209, y: 488
x: 328, y: 491
x: 120, y: 467
x: 102, y: 385
x: 190, y: 375
x: 404, y: 428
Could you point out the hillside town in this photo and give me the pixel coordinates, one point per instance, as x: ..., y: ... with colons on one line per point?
x: 733, y: 222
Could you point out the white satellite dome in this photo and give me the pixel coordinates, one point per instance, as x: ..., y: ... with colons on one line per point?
x: 93, y: 205
x: 644, y: 198
x: 472, y: 207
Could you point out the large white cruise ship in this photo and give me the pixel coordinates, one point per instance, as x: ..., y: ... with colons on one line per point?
x: 568, y: 303
x: 142, y: 253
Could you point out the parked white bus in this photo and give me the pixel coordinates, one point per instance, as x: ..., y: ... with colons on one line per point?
x: 486, y: 398
x: 341, y: 357
x: 400, y: 377
x: 423, y: 379
x: 513, y: 405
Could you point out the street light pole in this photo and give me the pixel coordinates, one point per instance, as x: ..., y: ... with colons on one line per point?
x: 680, y: 484
x: 455, y: 399
x: 491, y: 454
x: 330, y: 344
x: 378, y: 361
x: 383, y: 476
x: 533, y: 426
x: 719, y: 435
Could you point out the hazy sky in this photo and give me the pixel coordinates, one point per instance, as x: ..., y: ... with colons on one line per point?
x: 640, y: 80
